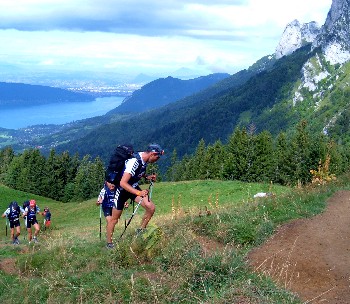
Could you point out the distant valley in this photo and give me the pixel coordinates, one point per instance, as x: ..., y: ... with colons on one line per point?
x: 46, y: 136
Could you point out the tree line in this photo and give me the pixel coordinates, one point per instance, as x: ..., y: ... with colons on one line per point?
x: 287, y: 159
x: 57, y: 176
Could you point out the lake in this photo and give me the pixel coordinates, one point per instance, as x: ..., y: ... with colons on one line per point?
x: 56, y: 113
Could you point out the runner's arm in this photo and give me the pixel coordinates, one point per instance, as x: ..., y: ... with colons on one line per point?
x: 125, y: 185
x: 6, y: 213
x: 101, y: 197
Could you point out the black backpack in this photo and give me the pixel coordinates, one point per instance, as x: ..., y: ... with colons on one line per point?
x: 14, y: 211
x: 25, y: 204
x: 116, y: 164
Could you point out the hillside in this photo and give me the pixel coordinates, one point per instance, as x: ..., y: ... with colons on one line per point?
x: 187, y: 255
x: 163, y: 91
x: 23, y: 95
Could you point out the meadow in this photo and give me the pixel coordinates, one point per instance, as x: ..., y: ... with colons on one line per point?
x: 194, y: 250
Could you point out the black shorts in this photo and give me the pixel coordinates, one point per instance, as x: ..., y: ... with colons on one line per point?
x: 107, y: 211
x: 122, y: 196
x: 15, y: 223
x: 32, y: 222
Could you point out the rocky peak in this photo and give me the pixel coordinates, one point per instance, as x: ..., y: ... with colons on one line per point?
x: 295, y: 36
x: 335, y: 33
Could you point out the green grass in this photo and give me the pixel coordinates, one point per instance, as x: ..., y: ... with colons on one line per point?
x: 168, y: 264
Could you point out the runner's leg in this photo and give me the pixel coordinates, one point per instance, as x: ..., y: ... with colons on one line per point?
x: 150, y: 208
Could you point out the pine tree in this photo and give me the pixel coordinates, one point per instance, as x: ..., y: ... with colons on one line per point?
x: 13, y: 173
x: 53, y: 184
x: 69, y: 166
x: 171, y: 171
x: 34, y: 172
x: 215, y: 159
x: 236, y: 164
x: 261, y: 157
x: 81, y: 182
x: 6, y: 156
x: 89, y: 178
x: 199, y: 165
x: 97, y: 176
x: 185, y: 168
x: 282, y: 161
x: 27, y: 171
x: 301, y: 154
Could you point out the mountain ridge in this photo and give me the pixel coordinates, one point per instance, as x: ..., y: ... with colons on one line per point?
x: 162, y: 91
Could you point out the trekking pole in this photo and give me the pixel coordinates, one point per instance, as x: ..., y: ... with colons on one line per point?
x: 150, y: 189
x: 133, y: 209
x: 25, y: 225
x: 128, y: 223
x: 100, y: 222
x: 6, y: 224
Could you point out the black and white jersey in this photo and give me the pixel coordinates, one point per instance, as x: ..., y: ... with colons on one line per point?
x: 137, y: 168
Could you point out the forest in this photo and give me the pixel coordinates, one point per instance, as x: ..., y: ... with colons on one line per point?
x: 291, y: 159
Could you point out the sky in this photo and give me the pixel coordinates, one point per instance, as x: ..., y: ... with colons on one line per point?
x: 153, y: 37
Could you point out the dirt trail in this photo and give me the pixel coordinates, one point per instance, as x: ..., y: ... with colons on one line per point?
x: 311, y: 257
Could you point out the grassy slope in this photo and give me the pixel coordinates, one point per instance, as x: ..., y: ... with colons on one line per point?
x: 167, y: 265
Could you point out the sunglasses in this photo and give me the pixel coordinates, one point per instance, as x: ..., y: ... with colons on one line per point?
x: 160, y: 153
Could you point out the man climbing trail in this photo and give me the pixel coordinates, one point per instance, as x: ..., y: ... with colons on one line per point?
x: 135, y: 169
x: 127, y: 187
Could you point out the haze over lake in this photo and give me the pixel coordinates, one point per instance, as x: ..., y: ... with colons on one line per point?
x: 56, y: 113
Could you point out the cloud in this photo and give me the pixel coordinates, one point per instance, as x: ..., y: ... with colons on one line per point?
x: 147, y: 36
x: 148, y: 18
x: 215, y: 20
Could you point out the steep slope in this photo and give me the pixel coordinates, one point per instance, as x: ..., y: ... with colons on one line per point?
x: 334, y: 38
x: 295, y: 36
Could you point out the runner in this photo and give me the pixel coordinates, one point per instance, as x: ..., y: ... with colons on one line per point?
x: 47, y: 217
x: 13, y: 213
x: 30, y: 212
x: 135, y: 169
x: 106, y: 201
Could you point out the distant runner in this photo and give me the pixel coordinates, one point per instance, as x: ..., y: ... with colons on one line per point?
x: 47, y: 217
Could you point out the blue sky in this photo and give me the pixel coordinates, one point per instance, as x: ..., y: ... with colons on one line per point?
x: 152, y: 37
